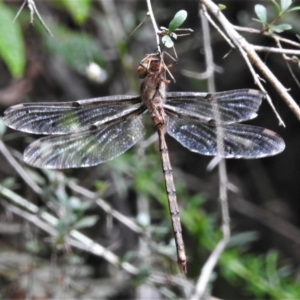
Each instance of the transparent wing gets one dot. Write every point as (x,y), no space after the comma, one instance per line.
(61,118)
(233,106)
(240,141)
(87,148)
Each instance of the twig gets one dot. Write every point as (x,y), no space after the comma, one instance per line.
(276,50)
(257,81)
(210,264)
(211,21)
(272,36)
(150,12)
(107,208)
(204,75)
(287,59)
(241,43)
(33,10)
(19,169)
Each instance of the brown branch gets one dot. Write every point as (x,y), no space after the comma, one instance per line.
(241,43)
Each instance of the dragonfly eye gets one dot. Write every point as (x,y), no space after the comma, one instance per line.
(142,71)
(209,97)
(212,122)
(75,104)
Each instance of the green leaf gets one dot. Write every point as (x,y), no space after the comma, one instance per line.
(277,7)
(285,4)
(79,9)
(280,28)
(177,21)
(293,9)
(86,222)
(12,49)
(173,35)
(261,13)
(221,6)
(167,41)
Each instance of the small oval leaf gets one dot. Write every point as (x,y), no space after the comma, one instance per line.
(261,13)
(294,9)
(280,28)
(167,41)
(177,21)
(86,222)
(277,7)
(285,4)
(221,6)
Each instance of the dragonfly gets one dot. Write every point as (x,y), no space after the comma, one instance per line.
(88,132)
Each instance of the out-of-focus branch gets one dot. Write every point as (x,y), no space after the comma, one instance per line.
(205,276)
(267,34)
(19,169)
(150,12)
(33,10)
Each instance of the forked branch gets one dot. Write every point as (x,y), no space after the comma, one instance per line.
(250,54)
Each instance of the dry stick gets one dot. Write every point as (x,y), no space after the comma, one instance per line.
(255,76)
(19,169)
(287,59)
(276,50)
(272,36)
(241,43)
(33,10)
(107,208)
(215,255)
(156,30)
(259,84)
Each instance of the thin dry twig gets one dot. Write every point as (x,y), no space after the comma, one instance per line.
(272,36)
(156,30)
(33,10)
(19,169)
(287,59)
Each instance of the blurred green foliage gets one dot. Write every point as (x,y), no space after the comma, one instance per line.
(12,49)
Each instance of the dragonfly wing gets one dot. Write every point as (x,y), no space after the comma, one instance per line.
(233,106)
(239,140)
(65,117)
(86,148)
